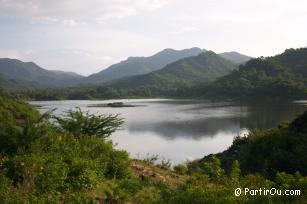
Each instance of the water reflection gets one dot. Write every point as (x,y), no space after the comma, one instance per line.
(210,119)
(181,129)
(266,116)
(193,129)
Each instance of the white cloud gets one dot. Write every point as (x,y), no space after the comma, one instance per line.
(72,22)
(47,19)
(151,4)
(189,28)
(183,30)
(68,10)
(13,54)
(117,12)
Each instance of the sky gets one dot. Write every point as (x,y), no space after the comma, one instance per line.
(87,36)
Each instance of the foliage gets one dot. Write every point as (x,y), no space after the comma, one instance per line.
(214,169)
(80,123)
(181,169)
(16,119)
(39,163)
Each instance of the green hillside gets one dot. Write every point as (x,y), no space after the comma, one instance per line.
(205,67)
(140,65)
(235,57)
(11,85)
(281,76)
(28,73)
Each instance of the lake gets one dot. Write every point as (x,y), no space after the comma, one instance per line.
(182,130)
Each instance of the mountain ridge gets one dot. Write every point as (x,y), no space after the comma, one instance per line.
(206,66)
(141,65)
(235,57)
(29,72)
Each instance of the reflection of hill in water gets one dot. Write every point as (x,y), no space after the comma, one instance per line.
(196,129)
(270,115)
(262,116)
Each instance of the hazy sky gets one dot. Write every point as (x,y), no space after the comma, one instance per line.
(86,36)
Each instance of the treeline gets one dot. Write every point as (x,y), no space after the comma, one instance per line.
(82,92)
(91,92)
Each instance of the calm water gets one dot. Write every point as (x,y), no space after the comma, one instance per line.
(183,129)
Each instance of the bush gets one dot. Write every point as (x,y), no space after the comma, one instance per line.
(78,123)
(181,169)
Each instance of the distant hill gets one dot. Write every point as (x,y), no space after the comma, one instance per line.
(140,65)
(9,84)
(28,73)
(205,67)
(72,74)
(235,57)
(281,76)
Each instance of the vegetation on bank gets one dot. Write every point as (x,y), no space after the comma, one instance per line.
(280,149)
(71,160)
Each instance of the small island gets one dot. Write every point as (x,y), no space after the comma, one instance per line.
(113,105)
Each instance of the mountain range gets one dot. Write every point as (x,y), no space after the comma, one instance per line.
(141,65)
(205,67)
(17,75)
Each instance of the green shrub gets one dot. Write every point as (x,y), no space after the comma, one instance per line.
(79,198)
(78,123)
(181,169)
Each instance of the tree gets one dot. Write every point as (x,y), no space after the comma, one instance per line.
(83,123)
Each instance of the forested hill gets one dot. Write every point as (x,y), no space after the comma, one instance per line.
(141,65)
(294,59)
(235,57)
(32,75)
(11,85)
(281,76)
(205,67)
